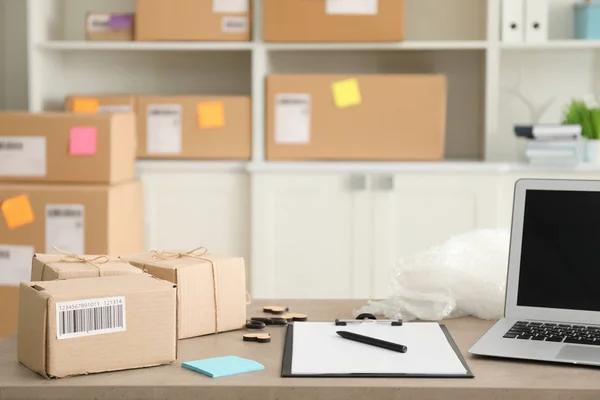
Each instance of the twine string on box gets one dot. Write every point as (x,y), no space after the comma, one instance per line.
(198,254)
(77,258)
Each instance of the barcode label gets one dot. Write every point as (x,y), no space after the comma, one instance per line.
(90,317)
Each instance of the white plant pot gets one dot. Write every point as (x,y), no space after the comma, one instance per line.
(592,151)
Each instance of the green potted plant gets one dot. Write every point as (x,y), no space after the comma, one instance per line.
(586,112)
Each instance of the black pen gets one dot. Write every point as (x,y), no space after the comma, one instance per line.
(373,342)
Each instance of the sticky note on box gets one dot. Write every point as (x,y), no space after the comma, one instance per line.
(17,211)
(223,366)
(346,93)
(83,141)
(85,105)
(211,115)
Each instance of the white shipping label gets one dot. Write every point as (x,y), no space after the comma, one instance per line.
(163,133)
(90,317)
(22,156)
(15,264)
(230,6)
(115,109)
(98,23)
(292,118)
(352,7)
(65,228)
(234,24)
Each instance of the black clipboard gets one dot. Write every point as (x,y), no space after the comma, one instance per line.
(286,365)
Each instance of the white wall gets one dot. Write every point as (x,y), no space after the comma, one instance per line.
(13,55)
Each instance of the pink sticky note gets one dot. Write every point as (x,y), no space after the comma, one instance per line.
(82,141)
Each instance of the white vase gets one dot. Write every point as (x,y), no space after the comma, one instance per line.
(592,151)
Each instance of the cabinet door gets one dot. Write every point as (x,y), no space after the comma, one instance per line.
(185,210)
(309,236)
(412,213)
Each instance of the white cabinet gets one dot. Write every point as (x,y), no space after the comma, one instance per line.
(310,236)
(189,207)
(413,212)
(338,235)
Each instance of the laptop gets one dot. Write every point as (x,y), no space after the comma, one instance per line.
(552,310)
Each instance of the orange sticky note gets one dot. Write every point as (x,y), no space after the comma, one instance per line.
(211,115)
(17,211)
(85,106)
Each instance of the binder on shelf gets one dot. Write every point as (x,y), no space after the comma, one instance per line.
(313,349)
(513,21)
(536,20)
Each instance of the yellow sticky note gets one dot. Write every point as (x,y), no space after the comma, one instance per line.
(346,93)
(85,106)
(211,115)
(17,211)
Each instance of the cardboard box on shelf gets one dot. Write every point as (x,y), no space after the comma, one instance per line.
(51,267)
(94,104)
(109,27)
(67,147)
(60,333)
(193,20)
(333,20)
(356,117)
(78,219)
(9,296)
(211,294)
(194,127)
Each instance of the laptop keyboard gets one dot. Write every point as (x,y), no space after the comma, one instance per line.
(539,331)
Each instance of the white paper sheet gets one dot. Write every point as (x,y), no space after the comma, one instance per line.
(65,228)
(22,156)
(352,7)
(319,350)
(164,128)
(292,118)
(15,264)
(230,6)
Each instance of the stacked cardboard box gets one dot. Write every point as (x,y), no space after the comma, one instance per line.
(181,127)
(356,117)
(66,181)
(333,20)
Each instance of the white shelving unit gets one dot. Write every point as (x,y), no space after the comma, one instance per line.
(286,212)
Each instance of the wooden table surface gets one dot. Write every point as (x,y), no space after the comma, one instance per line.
(494,378)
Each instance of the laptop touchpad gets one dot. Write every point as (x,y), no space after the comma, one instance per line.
(579,353)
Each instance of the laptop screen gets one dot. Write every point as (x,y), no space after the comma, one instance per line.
(560,251)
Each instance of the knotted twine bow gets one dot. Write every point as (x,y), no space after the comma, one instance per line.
(198,254)
(76,258)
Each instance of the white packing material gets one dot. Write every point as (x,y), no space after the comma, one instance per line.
(466,275)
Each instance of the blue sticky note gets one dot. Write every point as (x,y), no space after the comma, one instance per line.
(223,366)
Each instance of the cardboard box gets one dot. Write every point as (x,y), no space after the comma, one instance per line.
(79,219)
(194,127)
(94,104)
(333,21)
(356,117)
(66,147)
(193,20)
(9,301)
(51,267)
(109,27)
(90,325)
(211,293)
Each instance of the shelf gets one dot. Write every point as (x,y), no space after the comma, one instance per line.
(179,166)
(81,45)
(409,45)
(554,45)
(144,46)
(413,167)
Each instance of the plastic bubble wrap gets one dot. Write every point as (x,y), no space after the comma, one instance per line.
(466,275)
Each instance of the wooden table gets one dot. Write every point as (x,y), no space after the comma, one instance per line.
(494,379)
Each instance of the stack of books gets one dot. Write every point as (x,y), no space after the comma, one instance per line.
(551,144)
